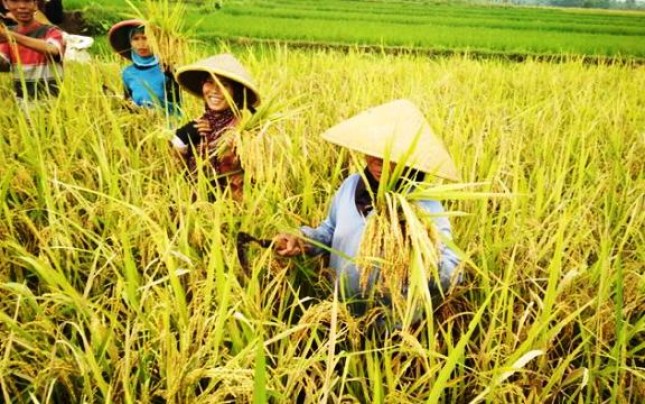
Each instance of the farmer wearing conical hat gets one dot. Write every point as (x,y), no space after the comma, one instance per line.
(227,90)
(399,131)
(146,82)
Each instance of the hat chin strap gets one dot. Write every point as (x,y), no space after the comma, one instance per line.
(141,61)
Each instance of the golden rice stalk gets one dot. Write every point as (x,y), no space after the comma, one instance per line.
(167,34)
(321,313)
(254,141)
(256,151)
(393,236)
(225,382)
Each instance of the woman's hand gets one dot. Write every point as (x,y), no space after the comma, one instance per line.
(288,245)
(203,127)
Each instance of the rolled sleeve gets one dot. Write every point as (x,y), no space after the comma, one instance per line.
(178,144)
(447,265)
(55,37)
(324,233)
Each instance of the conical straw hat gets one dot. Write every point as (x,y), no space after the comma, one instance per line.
(396,128)
(192,76)
(119,36)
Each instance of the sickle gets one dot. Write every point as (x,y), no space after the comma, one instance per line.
(241,242)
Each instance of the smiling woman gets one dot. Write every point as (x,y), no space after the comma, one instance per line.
(227,90)
(216,92)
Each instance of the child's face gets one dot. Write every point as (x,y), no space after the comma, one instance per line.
(139,44)
(216,93)
(22,10)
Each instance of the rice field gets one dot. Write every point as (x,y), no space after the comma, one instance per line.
(116,285)
(436,26)
(120,281)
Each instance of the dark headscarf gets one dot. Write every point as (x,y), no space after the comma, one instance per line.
(218,122)
(204,146)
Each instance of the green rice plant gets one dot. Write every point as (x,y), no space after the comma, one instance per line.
(435,27)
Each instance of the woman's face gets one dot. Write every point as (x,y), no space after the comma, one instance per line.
(375,166)
(217,92)
(139,44)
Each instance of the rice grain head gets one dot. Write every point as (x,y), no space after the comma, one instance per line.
(394,234)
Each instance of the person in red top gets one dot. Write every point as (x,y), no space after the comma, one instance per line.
(33,50)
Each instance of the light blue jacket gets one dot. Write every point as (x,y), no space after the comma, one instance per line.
(342,231)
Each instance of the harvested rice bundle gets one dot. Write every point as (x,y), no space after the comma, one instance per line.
(253,142)
(397,238)
(171,46)
(166,31)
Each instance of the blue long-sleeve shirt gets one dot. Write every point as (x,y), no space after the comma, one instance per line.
(343,228)
(150,87)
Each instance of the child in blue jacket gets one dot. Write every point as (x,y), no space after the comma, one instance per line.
(146,82)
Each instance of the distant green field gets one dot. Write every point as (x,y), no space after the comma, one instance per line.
(417,24)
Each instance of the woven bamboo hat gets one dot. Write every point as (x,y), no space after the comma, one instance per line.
(398,128)
(191,77)
(119,36)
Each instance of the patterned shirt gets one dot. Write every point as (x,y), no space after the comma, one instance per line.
(35,73)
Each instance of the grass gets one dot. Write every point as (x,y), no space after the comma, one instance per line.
(421,25)
(115,285)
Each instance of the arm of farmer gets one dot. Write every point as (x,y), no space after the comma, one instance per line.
(186,136)
(448,260)
(288,244)
(128,80)
(53,44)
